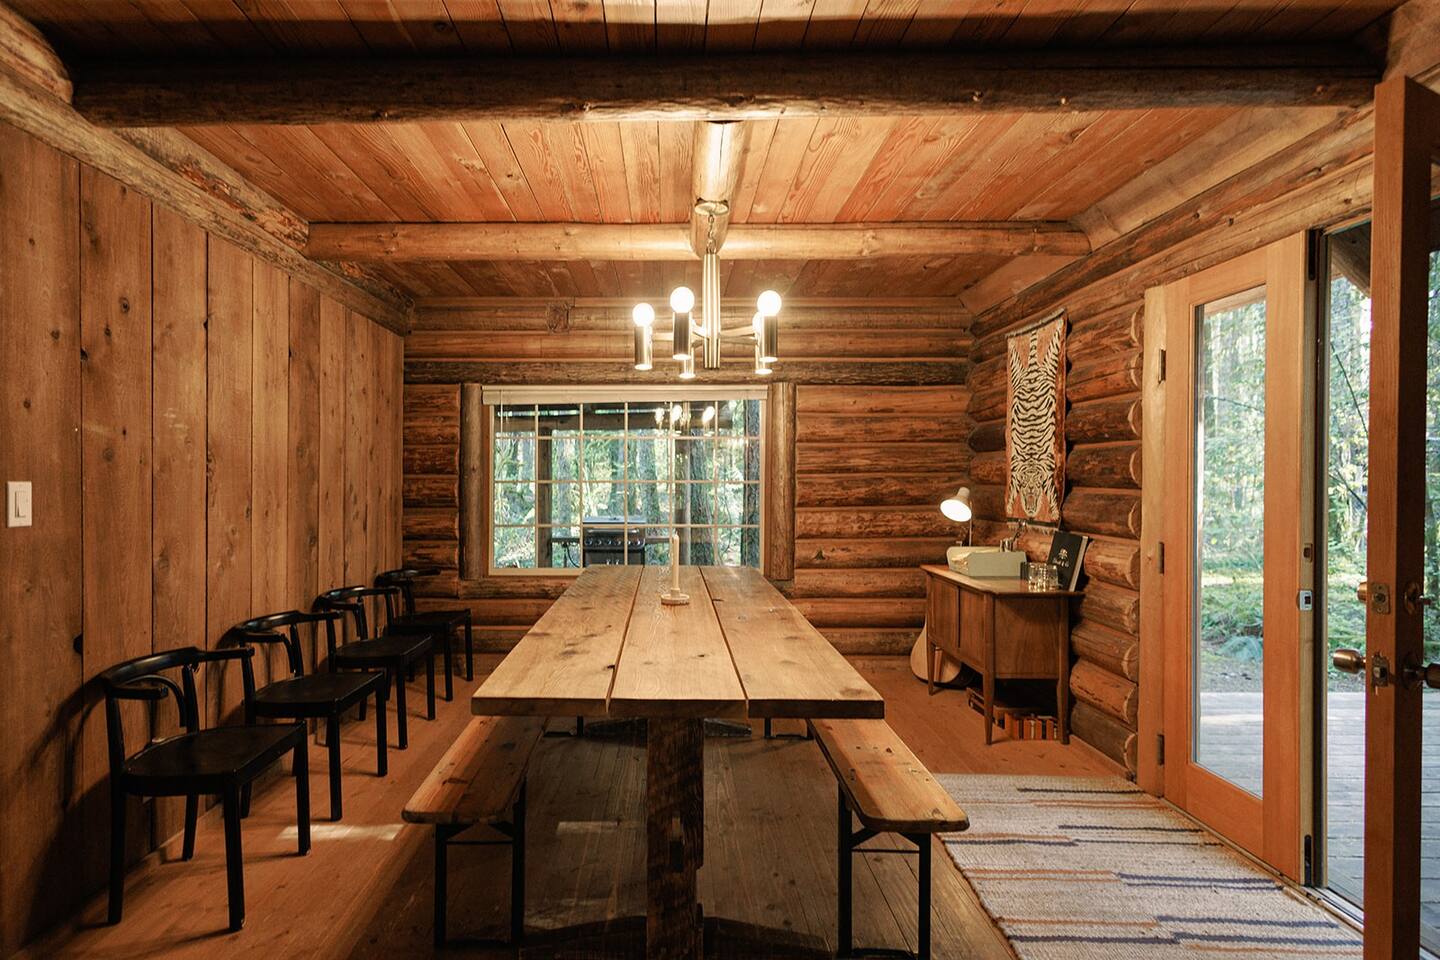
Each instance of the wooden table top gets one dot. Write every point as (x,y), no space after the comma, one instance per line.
(609,648)
(1000,586)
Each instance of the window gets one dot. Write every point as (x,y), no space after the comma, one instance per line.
(581,477)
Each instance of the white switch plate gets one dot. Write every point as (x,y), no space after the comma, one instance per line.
(19,508)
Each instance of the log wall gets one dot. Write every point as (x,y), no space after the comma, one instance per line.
(879,439)
(1102,500)
(184,411)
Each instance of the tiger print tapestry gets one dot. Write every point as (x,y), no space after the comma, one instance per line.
(1035,422)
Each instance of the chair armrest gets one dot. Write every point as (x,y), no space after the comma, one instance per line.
(151,687)
(227,653)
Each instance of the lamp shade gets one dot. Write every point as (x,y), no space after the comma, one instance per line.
(957,508)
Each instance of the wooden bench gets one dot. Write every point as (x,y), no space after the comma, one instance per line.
(480,782)
(888,788)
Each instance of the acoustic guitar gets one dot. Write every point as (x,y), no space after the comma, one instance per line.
(946,670)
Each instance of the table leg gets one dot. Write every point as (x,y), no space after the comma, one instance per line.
(675,834)
(1062,686)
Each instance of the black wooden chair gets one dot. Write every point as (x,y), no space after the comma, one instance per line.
(306,696)
(220,761)
(409,619)
(392,652)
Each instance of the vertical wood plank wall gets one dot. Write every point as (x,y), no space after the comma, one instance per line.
(184,478)
(880,438)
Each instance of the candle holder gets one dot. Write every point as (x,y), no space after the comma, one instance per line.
(674,598)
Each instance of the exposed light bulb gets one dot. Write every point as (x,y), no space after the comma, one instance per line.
(687,368)
(643,315)
(682,300)
(768,303)
(675,412)
(708,415)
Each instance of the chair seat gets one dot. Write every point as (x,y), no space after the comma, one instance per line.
(389,646)
(317,694)
(208,757)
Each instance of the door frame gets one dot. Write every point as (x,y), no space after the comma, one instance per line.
(1407,118)
(1272,827)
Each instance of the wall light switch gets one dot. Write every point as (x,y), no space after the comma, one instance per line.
(19,512)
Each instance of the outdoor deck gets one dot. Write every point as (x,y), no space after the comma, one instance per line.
(1232,729)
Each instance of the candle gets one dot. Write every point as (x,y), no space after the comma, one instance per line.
(674,563)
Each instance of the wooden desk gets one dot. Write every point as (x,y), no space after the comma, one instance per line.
(609,648)
(1003,630)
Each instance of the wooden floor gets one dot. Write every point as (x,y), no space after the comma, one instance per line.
(364,890)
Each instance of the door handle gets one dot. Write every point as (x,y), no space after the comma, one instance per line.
(1347,660)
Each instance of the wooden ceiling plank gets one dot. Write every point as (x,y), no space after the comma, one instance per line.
(1018,170)
(833,24)
(306,26)
(462,164)
(782,161)
(530,24)
(677,145)
(338,186)
(1059,181)
(731,24)
(154,92)
(640,150)
(885,22)
(228,23)
(566,146)
(181,27)
(493,147)
(605,153)
(836,158)
(679,25)
(579,25)
(945,140)
(757,148)
(479,25)
(379,26)
(541,169)
(977,146)
(630,25)
(906,135)
(782,24)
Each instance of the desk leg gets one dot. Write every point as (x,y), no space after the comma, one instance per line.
(1062,686)
(929,664)
(675,833)
(987,681)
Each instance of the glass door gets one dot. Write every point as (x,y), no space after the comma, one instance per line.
(1238,550)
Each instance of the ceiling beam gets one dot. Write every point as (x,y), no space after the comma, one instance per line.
(156,92)
(718,154)
(402,242)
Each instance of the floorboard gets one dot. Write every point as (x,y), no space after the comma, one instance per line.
(364,890)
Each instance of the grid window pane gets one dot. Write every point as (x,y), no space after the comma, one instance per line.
(558,503)
(514,503)
(514,547)
(559,458)
(514,456)
(648,502)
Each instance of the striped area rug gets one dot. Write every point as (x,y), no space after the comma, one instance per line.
(1075,869)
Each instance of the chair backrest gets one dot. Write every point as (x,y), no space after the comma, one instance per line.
(404,579)
(142,678)
(352,599)
(284,628)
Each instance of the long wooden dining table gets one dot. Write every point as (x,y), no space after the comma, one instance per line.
(608,648)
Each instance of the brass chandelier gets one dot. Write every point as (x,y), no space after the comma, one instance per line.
(693,339)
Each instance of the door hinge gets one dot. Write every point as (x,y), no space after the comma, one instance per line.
(1160,749)
(1162,367)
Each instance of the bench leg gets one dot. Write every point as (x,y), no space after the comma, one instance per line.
(234,858)
(332,743)
(449,665)
(401,713)
(844,907)
(517,870)
(924,846)
(430,686)
(117,851)
(301,764)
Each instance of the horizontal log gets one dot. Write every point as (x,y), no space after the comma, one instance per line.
(431,523)
(886,552)
(867,642)
(985,374)
(1090,337)
(881,428)
(1111,606)
(854,372)
(1108,377)
(25,52)
(1104,465)
(157,92)
(922,521)
(719,153)
(444,554)
(1108,514)
(1117,652)
(988,437)
(988,501)
(990,402)
(430,491)
(894,490)
(619,345)
(880,457)
(1105,691)
(1104,733)
(428,433)
(886,612)
(1103,421)
(885,582)
(654,242)
(432,459)
(437,401)
(904,401)
(1113,561)
(588,314)
(988,467)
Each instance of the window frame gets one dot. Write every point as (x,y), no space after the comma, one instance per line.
(492,398)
